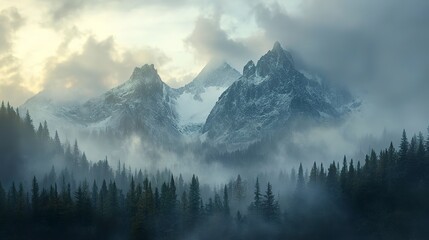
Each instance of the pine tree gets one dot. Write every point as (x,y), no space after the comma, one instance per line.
(83,202)
(35,202)
(351,178)
(157,201)
(226,201)
(194,200)
(343,176)
(172,196)
(426,163)
(427,142)
(271,212)
(218,206)
(391,166)
(184,202)
(256,205)
(84,164)
(28,122)
(113,205)
(21,201)
(322,175)
(239,190)
(402,164)
(372,166)
(75,156)
(421,153)
(46,135)
(132,198)
(332,180)
(146,210)
(314,175)
(66,199)
(94,195)
(103,203)
(403,148)
(57,143)
(164,196)
(382,169)
(39,132)
(300,181)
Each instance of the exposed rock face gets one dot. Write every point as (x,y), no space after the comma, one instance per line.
(220,106)
(268,97)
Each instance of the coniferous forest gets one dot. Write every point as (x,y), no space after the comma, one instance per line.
(383,196)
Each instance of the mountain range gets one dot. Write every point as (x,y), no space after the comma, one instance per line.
(220,106)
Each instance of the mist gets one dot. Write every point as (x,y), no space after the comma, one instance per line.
(339,133)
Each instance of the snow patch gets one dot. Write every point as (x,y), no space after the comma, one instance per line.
(194,109)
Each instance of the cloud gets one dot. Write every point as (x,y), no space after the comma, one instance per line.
(99,66)
(59,11)
(358,41)
(14,93)
(377,48)
(209,41)
(10,77)
(63,9)
(10,22)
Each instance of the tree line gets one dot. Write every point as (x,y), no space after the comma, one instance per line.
(384,196)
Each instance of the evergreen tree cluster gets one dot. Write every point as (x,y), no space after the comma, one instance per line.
(25,149)
(104,211)
(383,197)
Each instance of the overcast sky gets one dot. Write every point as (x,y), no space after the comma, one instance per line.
(379,49)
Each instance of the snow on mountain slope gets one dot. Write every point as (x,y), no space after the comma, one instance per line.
(267,98)
(219,106)
(143,104)
(196,99)
(214,74)
(193,111)
(43,107)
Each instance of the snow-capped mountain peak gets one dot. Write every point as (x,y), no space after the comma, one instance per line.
(202,94)
(267,99)
(143,77)
(220,105)
(147,73)
(277,46)
(214,74)
(275,61)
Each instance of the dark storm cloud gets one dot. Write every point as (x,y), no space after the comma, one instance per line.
(211,42)
(60,10)
(379,49)
(368,44)
(98,67)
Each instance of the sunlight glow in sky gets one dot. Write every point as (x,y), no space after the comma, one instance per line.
(39,38)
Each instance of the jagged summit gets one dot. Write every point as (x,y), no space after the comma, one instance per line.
(145,74)
(275,61)
(219,106)
(277,46)
(142,105)
(270,96)
(214,74)
(249,69)
(202,94)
